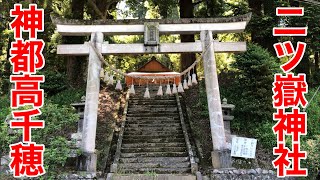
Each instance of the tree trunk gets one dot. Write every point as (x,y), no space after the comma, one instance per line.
(270,10)
(256,8)
(316,62)
(294,3)
(99,9)
(304,65)
(76,65)
(186,11)
(48,30)
(7,70)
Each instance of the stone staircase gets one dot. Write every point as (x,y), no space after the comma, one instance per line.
(153,138)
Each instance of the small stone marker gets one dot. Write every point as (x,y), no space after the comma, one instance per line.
(243,147)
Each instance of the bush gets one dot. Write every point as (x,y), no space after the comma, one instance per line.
(55,156)
(55,82)
(4,107)
(5,138)
(60,122)
(252,89)
(251,92)
(311,142)
(313,111)
(312,163)
(67,97)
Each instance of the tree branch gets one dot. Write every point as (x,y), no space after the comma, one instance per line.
(108,6)
(96,9)
(312,2)
(196,3)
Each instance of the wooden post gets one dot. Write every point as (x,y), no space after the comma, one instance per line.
(220,157)
(91,106)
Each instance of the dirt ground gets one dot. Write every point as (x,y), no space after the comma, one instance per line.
(111,104)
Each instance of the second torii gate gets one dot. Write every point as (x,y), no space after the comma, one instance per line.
(152,29)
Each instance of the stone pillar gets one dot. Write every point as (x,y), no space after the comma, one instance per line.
(91,106)
(221,158)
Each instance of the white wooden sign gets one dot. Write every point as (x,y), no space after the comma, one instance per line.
(243,147)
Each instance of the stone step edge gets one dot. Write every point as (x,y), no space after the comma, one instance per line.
(154,159)
(114,176)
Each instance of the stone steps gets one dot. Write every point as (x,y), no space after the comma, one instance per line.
(153,129)
(143,145)
(156,136)
(155,159)
(155,103)
(153,118)
(153,109)
(153,139)
(153,165)
(156,106)
(154,154)
(152,134)
(153,97)
(157,170)
(137,119)
(153,177)
(152,101)
(153,149)
(150,115)
(152,124)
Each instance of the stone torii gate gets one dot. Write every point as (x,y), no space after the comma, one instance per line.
(151,30)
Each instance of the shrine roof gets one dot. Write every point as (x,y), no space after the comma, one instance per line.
(153,66)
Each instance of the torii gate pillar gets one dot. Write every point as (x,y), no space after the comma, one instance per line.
(89,161)
(221,156)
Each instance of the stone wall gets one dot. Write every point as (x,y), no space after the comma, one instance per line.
(245,174)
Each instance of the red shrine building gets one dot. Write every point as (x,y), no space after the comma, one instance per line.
(152,68)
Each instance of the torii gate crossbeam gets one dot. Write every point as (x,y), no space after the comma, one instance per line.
(206,27)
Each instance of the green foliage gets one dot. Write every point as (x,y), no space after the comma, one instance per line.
(54,82)
(67,97)
(252,88)
(236,7)
(55,155)
(251,92)
(313,111)
(5,138)
(4,106)
(203,103)
(151,9)
(60,122)
(311,142)
(263,131)
(312,146)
